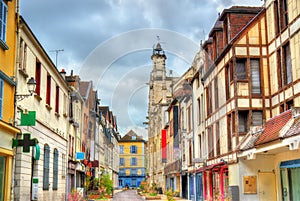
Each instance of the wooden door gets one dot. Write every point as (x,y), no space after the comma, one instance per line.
(266,186)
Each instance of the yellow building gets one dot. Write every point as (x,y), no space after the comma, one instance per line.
(132,160)
(7,90)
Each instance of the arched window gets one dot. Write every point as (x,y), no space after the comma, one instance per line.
(55,169)
(46,167)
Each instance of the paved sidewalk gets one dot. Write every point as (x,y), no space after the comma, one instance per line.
(132,195)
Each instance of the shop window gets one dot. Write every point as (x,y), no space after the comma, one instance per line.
(290,174)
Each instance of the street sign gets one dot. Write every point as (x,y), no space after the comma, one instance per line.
(26,142)
(79,155)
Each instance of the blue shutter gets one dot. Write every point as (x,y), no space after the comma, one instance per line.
(46,167)
(1,96)
(55,169)
(3,14)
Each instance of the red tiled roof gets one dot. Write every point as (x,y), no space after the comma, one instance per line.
(294,129)
(273,127)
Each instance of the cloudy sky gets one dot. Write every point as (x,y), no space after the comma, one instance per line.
(110,42)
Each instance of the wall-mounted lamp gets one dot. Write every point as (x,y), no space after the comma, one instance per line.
(31,84)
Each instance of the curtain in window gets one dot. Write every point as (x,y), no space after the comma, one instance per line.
(288,63)
(256,118)
(241,69)
(255,76)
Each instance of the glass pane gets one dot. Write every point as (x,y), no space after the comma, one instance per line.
(295,185)
(2,177)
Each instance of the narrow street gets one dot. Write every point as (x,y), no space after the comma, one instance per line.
(129,195)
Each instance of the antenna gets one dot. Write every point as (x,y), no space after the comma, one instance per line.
(56,51)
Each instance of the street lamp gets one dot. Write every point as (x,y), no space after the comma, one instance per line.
(31,84)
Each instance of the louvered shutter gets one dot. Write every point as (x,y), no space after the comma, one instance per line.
(255,76)
(46,167)
(55,170)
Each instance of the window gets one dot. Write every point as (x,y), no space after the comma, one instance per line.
(133,149)
(46,167)
(209,99)
(38,68)
(122,172)
(199,111)
(257,118)
(189,118)
(216,93)
(121,149)
(287,63)
(3,18)
(255,76)
(55,169)
(243,121)
(290,173)
(133,182)
(2,177)
(63,164)
(218,149)
(48,92)
(283,14)
(229,133)
(228,79)
(22,54)
(133,172)
(210,142)
(1,96)
(133,161)
(284,66)
(241,69)
(133,137)
(276,17)
(57,99)
(122,162)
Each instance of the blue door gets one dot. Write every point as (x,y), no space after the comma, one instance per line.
(199,187)
(191,187)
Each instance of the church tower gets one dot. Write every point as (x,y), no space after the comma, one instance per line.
(157,91)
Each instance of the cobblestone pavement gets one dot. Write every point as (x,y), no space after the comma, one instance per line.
(128,195)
